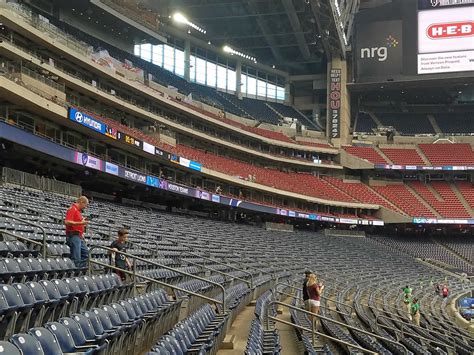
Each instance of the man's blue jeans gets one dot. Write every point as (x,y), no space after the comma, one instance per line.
(78,249)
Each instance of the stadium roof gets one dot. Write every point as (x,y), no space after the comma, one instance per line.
(294,36)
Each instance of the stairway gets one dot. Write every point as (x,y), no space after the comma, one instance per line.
(451,251)
(378,150)
(426,204)
(462,199)
(422,156)
(435,125)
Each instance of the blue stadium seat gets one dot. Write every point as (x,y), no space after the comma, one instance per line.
(27,344)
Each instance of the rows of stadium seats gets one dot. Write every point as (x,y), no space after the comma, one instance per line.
(467,191)
(438,154)
(341,262)
(448,154)
(460,245)
(360,192)
(415,123)
(306,184)
(406,123)
(425,248)
(455,123)
(366,153)
(446,203)
(262,341)
(250,108)
(402,156)
(364,123)
(404,199)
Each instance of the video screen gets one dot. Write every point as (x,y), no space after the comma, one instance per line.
(445,36)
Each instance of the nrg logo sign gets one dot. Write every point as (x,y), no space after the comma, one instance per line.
(379,53)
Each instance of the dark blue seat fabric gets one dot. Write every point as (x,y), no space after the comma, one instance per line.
(7,348)
(48,341)
(27,344)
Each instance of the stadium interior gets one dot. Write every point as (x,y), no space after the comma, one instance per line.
(242,144)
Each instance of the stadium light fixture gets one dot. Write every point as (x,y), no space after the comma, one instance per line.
(232,51)
(178,17)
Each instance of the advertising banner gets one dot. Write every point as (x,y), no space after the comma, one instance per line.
(86,120)
(334,111)
(378,50)
(445,39)
(86,160)
(111,168)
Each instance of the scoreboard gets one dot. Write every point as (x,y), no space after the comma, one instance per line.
(445,36)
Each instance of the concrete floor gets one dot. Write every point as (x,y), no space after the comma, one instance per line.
(240,328)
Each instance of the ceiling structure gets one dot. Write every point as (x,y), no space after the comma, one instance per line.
(296,36)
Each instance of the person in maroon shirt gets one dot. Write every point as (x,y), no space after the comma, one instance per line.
(75,225)
(314,292)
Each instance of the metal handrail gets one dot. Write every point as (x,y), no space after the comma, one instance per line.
(154,252)
(300,299)
(219,262)
(219,272)
(401,317)
(31,224)
(4,231)
(315,332)
(413,326)
(333,321)
(164,267)
(329,299)
(414,336)
(173,287)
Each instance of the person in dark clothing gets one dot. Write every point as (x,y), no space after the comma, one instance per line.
(305,289)
(117,259)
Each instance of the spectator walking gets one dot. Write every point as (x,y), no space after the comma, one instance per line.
(117,259)
(415,311)
(407,291)
(407,301)
(445,291)
(314,292)
(305,290)
(75,225)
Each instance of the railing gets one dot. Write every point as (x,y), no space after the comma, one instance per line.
(21,178)
(42,79)
(154,252)
(135,275)
(301,299)
(219,272)
(31,241)
(395,315)
(327,298)
(3,214)
(411,333)
(221,263)
(315,332)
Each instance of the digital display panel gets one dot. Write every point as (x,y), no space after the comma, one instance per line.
(445,38)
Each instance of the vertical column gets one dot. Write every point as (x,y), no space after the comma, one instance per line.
(288,98)
(338,103)
(238,79)
(187,60)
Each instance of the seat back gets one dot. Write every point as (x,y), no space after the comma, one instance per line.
(7,348)
(27,344)
(63,336)
(47,340)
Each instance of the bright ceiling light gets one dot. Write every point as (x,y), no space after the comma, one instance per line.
(180,18)
(227,49)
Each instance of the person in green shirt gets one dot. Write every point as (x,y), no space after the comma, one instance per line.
(415,311)
(407,291)
(407,302)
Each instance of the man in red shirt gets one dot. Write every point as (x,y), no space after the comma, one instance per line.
(75,224)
